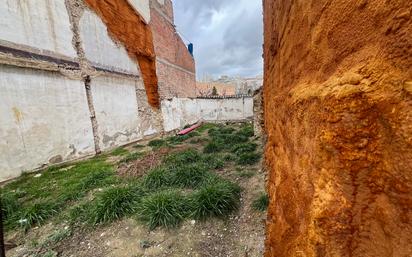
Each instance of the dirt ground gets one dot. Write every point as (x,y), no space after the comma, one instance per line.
(242,234)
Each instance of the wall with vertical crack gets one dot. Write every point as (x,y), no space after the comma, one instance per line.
(70,85)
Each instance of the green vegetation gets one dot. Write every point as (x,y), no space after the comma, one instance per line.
(119,151)
(248,158)
(114,203)
(245,173)
(157,143)
(165,208)
(33,200)
(132,157)
(184,186)
(261,203)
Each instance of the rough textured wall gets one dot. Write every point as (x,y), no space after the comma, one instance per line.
(338,114)
(128,27)
(175,65)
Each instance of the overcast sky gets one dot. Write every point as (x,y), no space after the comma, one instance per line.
(227,35)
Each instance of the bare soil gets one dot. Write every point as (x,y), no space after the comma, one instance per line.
(242,234)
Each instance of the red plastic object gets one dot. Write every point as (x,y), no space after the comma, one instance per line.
(188,130)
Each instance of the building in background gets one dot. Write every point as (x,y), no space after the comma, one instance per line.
(229,86)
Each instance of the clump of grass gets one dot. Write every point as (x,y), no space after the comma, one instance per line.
(229,157)
(114,203)
(244,148)
(261,203)
(165,208)
(213,161)
(213,147)
(138,146)
(9,204)
(246,130)
(215,199)
(189,176)
(119,151)
(183,158)
(248,158)
(157,178)
(132,157)
(36,214)
(206,127)
(157,143)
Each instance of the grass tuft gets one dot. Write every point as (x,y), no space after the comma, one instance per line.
(157,178)
(215,199)
(36,214)
(114,203)
(157,143)
(261,203)
(248,158)
(244,148)
(119,152)
(165,208)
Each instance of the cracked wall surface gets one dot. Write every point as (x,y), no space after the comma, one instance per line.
(70,87)
(338,104)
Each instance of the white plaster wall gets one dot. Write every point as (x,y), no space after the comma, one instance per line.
(115,103)
(225,109)
(179,112)
(142,7)
(99,47)
(42,115)
(43,24)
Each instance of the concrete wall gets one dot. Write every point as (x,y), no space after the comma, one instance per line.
(100,49)
(42,24)
(44,119)
(179,112)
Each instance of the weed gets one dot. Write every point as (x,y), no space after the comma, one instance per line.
(213,161)
(157,178)
(229,157)
(215,199)
(246,130)
(183,158)
(165,208)
(138,146)
(213,147)
(114,203)
(157,143)
(244,148)
(261,203)
(206,127)
(132,157)
(37,213)
(248,158)
(9,204)
(189,176)
(119,151)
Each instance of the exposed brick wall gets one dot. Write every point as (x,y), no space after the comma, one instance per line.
(175,82)
(175,65)
(166,8)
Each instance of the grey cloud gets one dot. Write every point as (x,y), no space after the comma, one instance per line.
(227,35)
